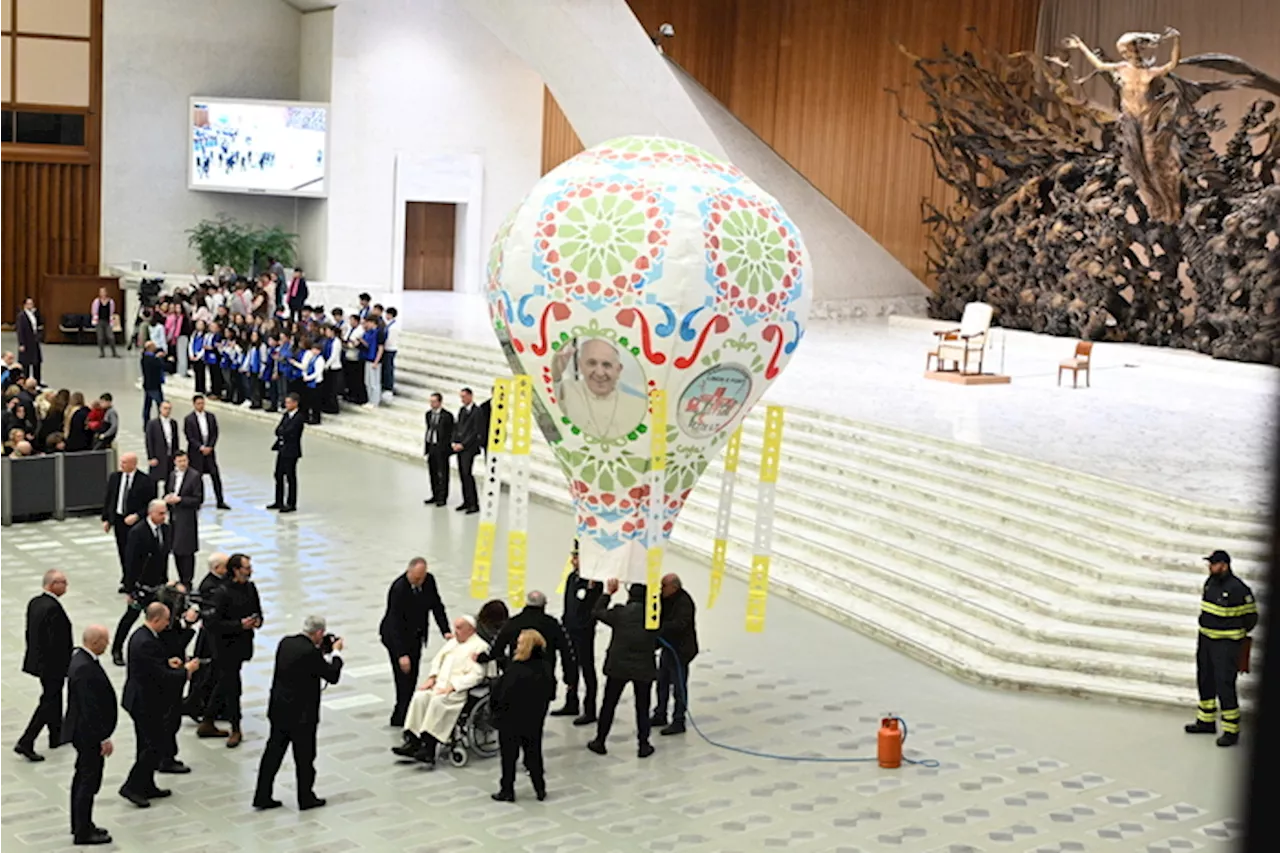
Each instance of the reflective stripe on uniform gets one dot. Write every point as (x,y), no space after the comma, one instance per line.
(1231,728)
(1204,716)
(1232,714)
(1231,634)
(1227,612)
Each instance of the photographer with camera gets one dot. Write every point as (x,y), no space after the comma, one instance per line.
(303,662)
(230,618)
(176,636)
(146,569)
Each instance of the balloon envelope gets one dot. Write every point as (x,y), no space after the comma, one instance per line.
(640,264)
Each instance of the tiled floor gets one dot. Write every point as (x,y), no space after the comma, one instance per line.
(1017,772)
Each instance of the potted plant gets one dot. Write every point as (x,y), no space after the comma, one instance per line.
(225,242)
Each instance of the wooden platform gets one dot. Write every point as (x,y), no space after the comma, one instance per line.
(957,378)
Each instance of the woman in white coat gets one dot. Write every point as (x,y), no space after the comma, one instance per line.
(438,703)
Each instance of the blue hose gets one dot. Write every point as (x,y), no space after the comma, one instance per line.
(819,759)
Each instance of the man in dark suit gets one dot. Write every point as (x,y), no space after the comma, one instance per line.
(296,298)
(184,495)
(153,373)
(288,448)
(202,683)
(27,325)
(679,631)
(125,503)
(148,692)
(201,430)
(466,443)
(146,564)
(90,722)
(48,655)
(437,449)
(232,617)
(161,436)
(404,628)
(580,597)
(294,711)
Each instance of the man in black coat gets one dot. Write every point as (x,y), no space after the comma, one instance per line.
(288,448)
(47,657)
(518,709)
(147,695)
(580,596)
(202,683)
(678,630)
(235,613)
(437,448)
(411,597)
(146,564)
(201,430)
(296,294)
(125,503)
(27,325)
(629,659)
(161,436)
(534,615)
(467,442)
(90,722)
(153,373)
(294,712)
(184,495)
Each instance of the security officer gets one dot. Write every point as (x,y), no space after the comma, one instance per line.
(1227,614)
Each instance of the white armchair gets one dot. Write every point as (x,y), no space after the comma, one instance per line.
(965,346)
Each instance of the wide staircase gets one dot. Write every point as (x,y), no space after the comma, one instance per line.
(995,568)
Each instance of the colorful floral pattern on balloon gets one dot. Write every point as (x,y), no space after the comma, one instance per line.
(631,152)
(754,258)
(600,242)
(499,301)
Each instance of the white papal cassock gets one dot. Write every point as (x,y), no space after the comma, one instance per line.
(452,667)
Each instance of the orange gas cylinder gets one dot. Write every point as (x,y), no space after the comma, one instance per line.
(889,743)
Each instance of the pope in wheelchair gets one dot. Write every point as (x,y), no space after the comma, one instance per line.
(439,704)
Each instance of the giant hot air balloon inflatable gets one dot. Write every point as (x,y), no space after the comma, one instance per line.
(640,264)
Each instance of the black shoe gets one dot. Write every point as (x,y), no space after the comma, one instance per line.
(406,750)
(658,720)
(28,752)
(673,729)
(597,747)
(1228,739)
(98,836)
(272,506)
(117,658)
(473,510)
(311,804)
(646,749)
(158,793)
(175,767)
(504,796)
(460,508)
(540,793)
(135,798)
(263,805)
(223,506)
(1200,728)
(285,509)
(586,719)
(430,502)
(442,503)
(570,708)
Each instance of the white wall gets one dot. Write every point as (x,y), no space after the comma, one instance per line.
(315,78)
(423,78)
(156,55)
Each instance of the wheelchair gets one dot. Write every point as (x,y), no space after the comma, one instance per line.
(474,732)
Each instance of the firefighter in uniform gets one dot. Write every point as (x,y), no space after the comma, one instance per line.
(1227,614)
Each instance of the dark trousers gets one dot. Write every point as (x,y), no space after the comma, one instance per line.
(466,462)
(186,564)
(438,473)
(48,712)
(512,743)
(1217,663)
(127,621)
(217,386)
(200,685)
(151,736)
(122,537)
(405,682)
(286,481)
(102,331)
(199,369)
(613,688)
(31,369)
(149,397)
(224,701)
(209,465)
(584,655)
(311,403)
(257,390)
(329,392)
(302,736)
(353,376)
(672,672)
(389,370)
(85,784)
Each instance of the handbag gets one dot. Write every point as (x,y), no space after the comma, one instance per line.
(1246,649)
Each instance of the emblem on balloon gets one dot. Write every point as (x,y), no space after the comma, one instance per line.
(644,264)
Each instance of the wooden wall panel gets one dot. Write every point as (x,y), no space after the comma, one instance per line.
(809,77)
(46,219)
(559,141)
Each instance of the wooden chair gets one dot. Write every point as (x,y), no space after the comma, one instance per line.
(965,345)
(1077,363)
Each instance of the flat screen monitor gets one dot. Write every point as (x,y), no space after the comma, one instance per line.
(258,147)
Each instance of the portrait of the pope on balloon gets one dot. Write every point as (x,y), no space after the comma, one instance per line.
(600,388)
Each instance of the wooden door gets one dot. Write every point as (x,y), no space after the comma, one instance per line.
(428,245)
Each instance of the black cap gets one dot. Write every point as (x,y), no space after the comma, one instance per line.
(1219,557)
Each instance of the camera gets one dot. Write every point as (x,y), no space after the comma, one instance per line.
(149,291)
(326,644)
